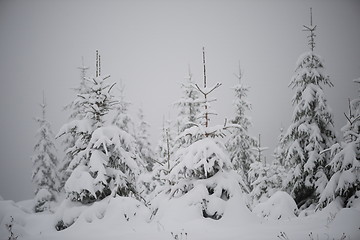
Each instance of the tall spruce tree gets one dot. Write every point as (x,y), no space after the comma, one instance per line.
(45,175)
(345,163)
(240,144)
(311,130)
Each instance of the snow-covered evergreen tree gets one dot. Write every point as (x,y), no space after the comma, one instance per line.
(258,178)
(203,168)
(157,180)
(165,145)
(278,164)
(77,111)
(103,157)
(142,140)
(265,180)
(188,105)
(311,130)
(45,175)
(279,151)
(345,163)
(240,144)
(122,119)
(165,149)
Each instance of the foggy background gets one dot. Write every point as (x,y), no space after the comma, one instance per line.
(149,45)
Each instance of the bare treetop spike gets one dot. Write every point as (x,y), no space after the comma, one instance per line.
(83,69)
(240,74)
(311,29)
(204,67)
(96,64)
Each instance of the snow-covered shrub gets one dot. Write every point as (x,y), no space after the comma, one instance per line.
(205,167)
(203,198)
(117,210)
(42,200)
(265,180)
(201,160)
(279,206)
(67,213)
(9,227)
(12,220)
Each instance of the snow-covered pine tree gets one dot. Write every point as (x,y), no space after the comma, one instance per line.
(45,175)
(144,150)
(311,130)
(264,178)
(157,180)
(277,165)
(122,119)
(188,105)
(165,150)
(77,111)
(142,141)
(165,145)
(261,186)
(103,158)
(203,170)
(240,144)
(75,108)
(279,151)
(345,163)
(188,111)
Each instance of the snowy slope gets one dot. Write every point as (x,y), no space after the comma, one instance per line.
(126,218)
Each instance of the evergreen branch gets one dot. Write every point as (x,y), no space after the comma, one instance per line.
(79,95)
(106,77)
(158,162)
(111,87)
(325,151)
(348,119)
(197,86)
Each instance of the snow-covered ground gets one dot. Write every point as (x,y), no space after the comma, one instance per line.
(126,218)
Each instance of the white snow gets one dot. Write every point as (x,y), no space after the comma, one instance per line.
(279,206)
(80,180)
(126,218)
(43,195)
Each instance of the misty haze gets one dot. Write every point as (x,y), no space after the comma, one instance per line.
(179,120)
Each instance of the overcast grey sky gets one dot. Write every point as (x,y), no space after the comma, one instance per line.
(149,45)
